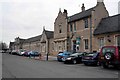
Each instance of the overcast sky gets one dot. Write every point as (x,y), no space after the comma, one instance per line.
(26,18)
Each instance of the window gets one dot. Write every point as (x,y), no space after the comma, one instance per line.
(86,43)
(118,40)
(108,49)
(71,28)
(60,29)
(74,26)
(52,46)
(101,42)
(86,22)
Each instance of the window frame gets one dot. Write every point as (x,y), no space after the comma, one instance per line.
(101,42)
(71,27)
(75,27)
(60,28)
(86,23)
(86,44)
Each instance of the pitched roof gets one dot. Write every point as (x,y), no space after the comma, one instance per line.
(33,39)
(108,25)
(80,15)
(49,34)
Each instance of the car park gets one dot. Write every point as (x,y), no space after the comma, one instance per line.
(91,58)
(75,58)
(110,55)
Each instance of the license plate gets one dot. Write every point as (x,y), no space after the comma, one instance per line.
(102,57)
(87,58)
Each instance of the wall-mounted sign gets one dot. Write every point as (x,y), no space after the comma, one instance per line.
(78,40)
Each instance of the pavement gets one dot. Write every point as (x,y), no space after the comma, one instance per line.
(45,58)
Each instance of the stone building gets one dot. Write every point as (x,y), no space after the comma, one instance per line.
(60,32)
(85,31)
(32,43)
(82,25)
(42,43)
(47,45)
(75,33)
(108,32)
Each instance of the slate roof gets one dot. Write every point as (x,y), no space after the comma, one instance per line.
(49,34)
(108,25)
(80,15)
(33,39)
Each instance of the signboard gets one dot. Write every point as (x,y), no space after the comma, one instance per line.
(78,40)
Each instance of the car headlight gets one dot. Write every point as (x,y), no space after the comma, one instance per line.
(69,58)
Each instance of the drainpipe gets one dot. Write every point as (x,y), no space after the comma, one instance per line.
(91,34)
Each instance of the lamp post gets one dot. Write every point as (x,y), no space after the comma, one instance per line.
(47,56)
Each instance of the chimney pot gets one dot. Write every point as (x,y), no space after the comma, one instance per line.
(99,0)
(83,7)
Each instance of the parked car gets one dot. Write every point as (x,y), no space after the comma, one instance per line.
(26,54)
(75,58)
(14,52)
(21,52)
(91,58)
(63,55)
(59,56)
(33,53)
(110,55)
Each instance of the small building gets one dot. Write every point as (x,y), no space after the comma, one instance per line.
(42,43)
(108,32)
(47,45)
(32,43)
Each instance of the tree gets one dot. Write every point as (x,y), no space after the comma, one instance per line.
(3,46)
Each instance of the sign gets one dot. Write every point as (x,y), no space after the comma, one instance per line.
(78,40)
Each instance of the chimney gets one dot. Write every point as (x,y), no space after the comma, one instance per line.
(83,7)
(100,1)
(65,12)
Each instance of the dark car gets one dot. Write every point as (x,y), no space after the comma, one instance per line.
(91,58)
(75,58)
(14,52)
(26,54)
(63,55)
(110,55)
(33,53)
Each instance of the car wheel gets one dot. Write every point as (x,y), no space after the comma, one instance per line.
(85,64)
(74,62)
(108,56)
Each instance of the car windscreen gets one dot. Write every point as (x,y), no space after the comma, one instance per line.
(89,54)
(108,49)
(74,55)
